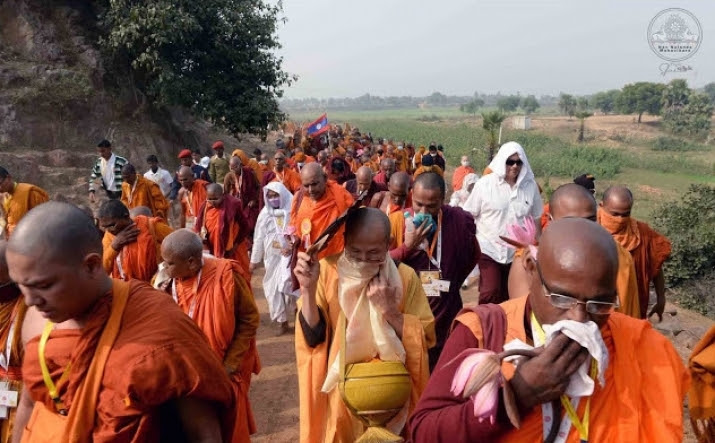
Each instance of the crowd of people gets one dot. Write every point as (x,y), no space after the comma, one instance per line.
(136,321)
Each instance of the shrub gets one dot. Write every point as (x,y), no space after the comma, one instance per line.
(690,226)
(674,144)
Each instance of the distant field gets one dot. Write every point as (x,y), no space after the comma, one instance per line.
(658,168)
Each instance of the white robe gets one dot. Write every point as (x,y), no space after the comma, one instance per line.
(268,240)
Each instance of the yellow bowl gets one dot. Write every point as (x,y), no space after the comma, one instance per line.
(376,386)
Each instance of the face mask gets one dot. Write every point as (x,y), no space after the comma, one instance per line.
(361,269)
(465,163)
(264,162)
(275,202)
(400,147)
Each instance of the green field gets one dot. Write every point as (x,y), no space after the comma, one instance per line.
(655,173)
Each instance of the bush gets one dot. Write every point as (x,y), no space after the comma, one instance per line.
(674,144)
(697,294)
(690,226)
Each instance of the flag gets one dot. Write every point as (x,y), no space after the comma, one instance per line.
(319,126)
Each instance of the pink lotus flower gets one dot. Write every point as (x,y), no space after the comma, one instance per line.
(525,235)
(479,378)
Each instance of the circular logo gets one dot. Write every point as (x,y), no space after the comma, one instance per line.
(675,34)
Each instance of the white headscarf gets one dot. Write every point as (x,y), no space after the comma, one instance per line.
(285,196)
(498,164)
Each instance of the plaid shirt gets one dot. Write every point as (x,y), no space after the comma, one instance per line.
(119,163)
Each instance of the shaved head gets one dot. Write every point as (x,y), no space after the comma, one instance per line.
(365,223)
(430,181)
(363,173)
(235,161)
(129,168)
(618,201)
(214,189)
(572,200)
(113,209)
(140,210)
(577,258)
(313,180)
(182,244)
(58,232)
(401,179)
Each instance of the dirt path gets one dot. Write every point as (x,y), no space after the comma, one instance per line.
(274,392)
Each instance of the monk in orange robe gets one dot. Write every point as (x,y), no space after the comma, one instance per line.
(192,196)
(460,172)
(246,161)
(701,398)
(648,248)
(397,197)
(212,292)
(131,247)
(316,206)
(141,370)
(19,199)
(222,226)
(572,200)
(417,158)
(366,278)
(281,173)
(645,376)
(402,161)
(139,191)
(12,314)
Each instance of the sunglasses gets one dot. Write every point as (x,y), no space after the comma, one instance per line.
(566,303)
(514,162)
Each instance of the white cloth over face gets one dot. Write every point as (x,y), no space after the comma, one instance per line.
(368,334)
(268,241)
(587,335)
(495,204)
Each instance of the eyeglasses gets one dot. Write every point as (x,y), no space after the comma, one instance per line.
(566,303)
(514,162)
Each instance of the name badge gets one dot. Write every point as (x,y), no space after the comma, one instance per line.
(433,284)
(275,244)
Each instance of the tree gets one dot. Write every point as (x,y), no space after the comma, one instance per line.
(472,106)
(582,104)
(567,104)
(675,95)
(437,98)
(582,116)
(709,90)
(215,57)
(509,103)
(605,101)
(641,97)
(491,122)
(530,104)
(693,118)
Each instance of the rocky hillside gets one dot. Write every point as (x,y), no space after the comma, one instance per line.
(56,103)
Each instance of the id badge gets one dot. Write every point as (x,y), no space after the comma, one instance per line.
(429,281)
(190,223)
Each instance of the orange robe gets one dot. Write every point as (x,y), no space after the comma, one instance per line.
(354,165)
(232,239)
(458,177)
(648,248)
(139,260)
(23,198)
(422,170)
(289,178)
(192,200)
(249,162)
(545,217)
(321,214)
(12,314)
(645,378)
(159,355)
(401,160)
(145,193)
(701,397)
(223,307)
(324,417)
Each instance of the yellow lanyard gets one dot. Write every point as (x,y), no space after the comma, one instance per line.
(580,425)
(51,387)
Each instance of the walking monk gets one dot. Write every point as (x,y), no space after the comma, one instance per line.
(281,173)
(20,198)
(397,197)
(443,252)
(648,248)
(221,225)
(191,195)
(119,361)
(12,314)
(636,367)
(385,300)
(316,206)
(213,294)
(241,183)
(140,191)
(363,182)
(574,201)
(131,246)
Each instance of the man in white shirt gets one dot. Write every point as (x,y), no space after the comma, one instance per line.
(108,168)
(505,197)
(158,175)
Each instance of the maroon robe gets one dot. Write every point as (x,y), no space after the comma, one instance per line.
(230,210)
(460,253)
(381,179)
(249,191)
(351,187)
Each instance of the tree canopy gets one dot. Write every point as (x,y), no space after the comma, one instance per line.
(639,98)
(530,104)
(214,57)
(567,104)
(509,103)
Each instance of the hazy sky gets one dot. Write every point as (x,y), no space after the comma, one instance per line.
(342,48)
